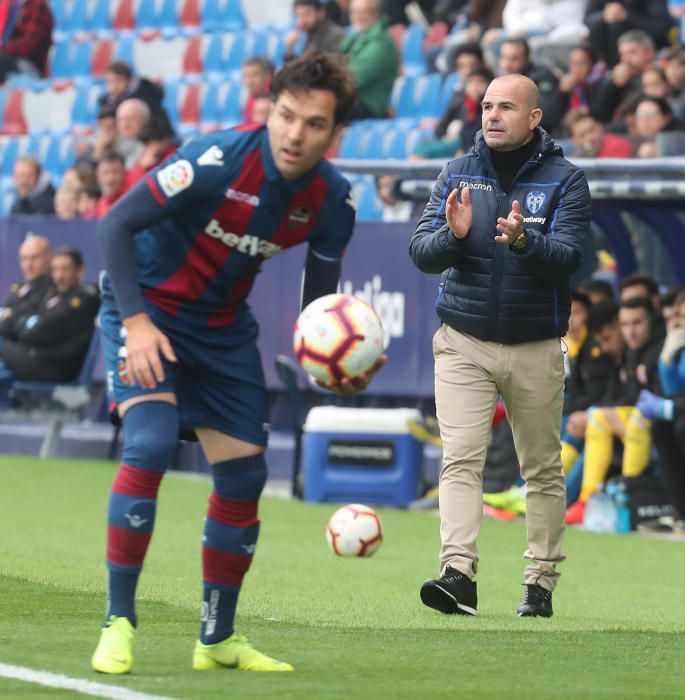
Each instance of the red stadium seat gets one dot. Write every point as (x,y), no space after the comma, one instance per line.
(436,35)
(14,121)
(190,14)
(189,112)
(102,57)
(397,32)
(192,59)
(124,17)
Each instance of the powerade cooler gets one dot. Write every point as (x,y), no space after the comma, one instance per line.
(364,455)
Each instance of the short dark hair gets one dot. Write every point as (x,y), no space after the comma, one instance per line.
(316,4)
(481,72)
(581,297)
(91,190)
(316,70)
(110,156)
(587,49)
(522,42)
(596,286)
(107,112)
(668,298)
(643,278)
(157,128)
(662,103)
(638,303)
(600,315)
(69,252)
(120,68)
(470,47)
(264,62)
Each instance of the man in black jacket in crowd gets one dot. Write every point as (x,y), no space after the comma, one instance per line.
(50,344)
(506,226)
(35,254)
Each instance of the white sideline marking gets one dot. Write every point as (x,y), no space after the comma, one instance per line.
(80,685)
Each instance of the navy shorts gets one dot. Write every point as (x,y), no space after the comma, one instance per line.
(218,379)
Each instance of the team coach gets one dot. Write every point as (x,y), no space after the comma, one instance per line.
(505,225)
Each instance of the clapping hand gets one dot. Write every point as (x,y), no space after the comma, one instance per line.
(459,215)
(511,227)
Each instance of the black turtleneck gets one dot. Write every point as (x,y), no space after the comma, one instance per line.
(508,163)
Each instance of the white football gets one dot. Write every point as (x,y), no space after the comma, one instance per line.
(337,336)
(354,531)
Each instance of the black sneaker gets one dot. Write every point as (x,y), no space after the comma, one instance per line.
(453,593)
(536,602)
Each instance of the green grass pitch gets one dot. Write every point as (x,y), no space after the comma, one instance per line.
(352,628)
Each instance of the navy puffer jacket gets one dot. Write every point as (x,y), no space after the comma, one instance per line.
(488,289)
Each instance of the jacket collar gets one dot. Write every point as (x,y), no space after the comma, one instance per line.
(547,147)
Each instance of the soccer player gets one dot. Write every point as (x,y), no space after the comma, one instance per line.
(182,250)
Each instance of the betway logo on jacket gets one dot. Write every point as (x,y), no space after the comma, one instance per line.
(250,245)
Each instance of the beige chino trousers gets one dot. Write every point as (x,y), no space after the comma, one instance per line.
(470,375)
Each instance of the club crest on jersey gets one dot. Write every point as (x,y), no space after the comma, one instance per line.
(299,217)
(176,177)
(534,201)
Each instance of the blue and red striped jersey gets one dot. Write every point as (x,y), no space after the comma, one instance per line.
(228,209)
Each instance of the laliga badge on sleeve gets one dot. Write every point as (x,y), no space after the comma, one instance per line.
(176,177)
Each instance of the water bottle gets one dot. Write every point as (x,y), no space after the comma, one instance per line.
(622,509)
(601,512)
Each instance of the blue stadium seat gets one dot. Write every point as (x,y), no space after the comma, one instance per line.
(427,95)
(214,55)
(350,146)
(59,12)
(170,101)
(209,106)
(223,15)
(237,52)
(413,59)
(78,18)
(450,83)
(396,142)
(123,48)
(100,19)
(7,196)
(402,98)
(229,106)
(157,14)
(369,207)
(71,59)
(10,153)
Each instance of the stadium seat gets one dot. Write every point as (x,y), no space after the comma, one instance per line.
(369,207)
(397,32)
(436,35)
(57,403)
(78,19)
(230,104)
(170,99)
(214,55)
(60,15)
(49,109)
(70,58)
(222,15)
(192,59)
(450,83)
(427,95)
(189,15)
(350,145)
(7,196)
(413,59)
(156,14)
(395,143)
(235,50)
(124,17)
(157,56)
(13,117)
(402,96)
(103,50)
(100,19)
(84,108)
(123,48)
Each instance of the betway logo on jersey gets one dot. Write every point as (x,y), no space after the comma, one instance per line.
(250,245)
(534,219)
(475,185)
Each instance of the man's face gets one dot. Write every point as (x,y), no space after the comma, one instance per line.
(649,120)
(363,14)
(635,327)
(509,118)
(610,340)
(586,135)
(653,85)
(130,120)
(110,177)
(675,71)
(116,84)
(66,203)
(261,110)
(255,79)
(107,130)
(466,63)
(25,177)
(65,274)
(579,64)
(578,319)
(512,58)
(635,56)
(308,18)
(34,258)
(301,129)
(475,87)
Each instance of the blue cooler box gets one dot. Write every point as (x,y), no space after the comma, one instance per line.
(364,455)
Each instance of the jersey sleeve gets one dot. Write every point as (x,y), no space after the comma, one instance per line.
(330,236)
(190,173)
